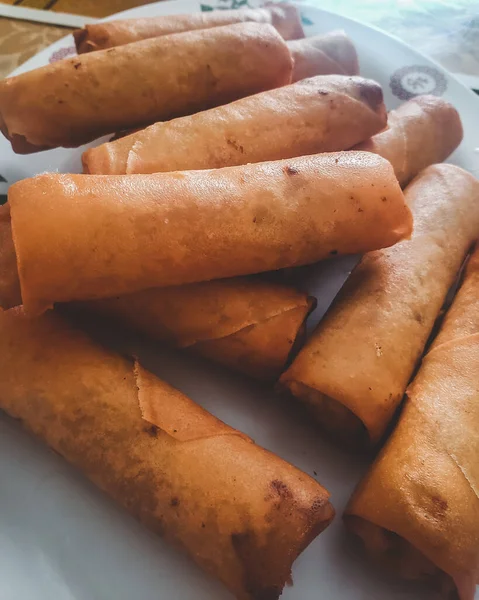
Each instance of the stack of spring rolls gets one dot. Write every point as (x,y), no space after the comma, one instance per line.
(223,176)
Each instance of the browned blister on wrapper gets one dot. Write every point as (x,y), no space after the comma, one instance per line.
(242,513)
(79,99)
(245,323)
(98,36)
(354,369)
(421,132)
(98,236)
(417,509)
(320,114)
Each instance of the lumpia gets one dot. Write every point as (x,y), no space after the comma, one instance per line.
(242,513)
(78,99)
(321,114)
(417,510)
(247,324)
(99,236)
(421,132)
(98,36)
(355,368)
(330,53)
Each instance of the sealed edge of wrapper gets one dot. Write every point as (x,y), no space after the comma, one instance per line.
(184,420)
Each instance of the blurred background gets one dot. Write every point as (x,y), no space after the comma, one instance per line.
(445,30)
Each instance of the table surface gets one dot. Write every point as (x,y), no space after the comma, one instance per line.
(446,30)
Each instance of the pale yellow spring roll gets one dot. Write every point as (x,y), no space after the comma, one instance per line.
(330,53)
(421,132)
(98,236)
(321,114)
(247,324)
(417,509)
(283,16)
(78,99)
(353,371)
(240,512)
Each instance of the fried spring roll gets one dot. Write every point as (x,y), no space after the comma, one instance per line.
(241,512)
(99,236)
(330,53)
(247,324)
(354,369)
(98,36)
(417,510)
(322,114)
(76,100)
(421,132)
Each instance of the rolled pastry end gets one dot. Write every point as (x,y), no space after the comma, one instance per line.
(337,421)
(398,556)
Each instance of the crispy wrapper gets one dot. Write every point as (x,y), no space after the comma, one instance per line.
(355,368)
(98,36)
(76,100)
(84,237)
(241,512)
(330,53)
(247,324)
(421,132)
(321,114)
(417,509)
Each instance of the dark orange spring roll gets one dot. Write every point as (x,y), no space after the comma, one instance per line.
(421,132)
(354,370)
(98,36)
(330,53)
(99,236)
(76,100)
(242,513)
(417,510)
(321,114)
(247,324)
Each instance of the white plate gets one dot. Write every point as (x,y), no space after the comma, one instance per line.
(61,539)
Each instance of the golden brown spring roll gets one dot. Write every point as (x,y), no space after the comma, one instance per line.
(421,132)
(99,236)
(241,512)
(321,114)
(330,53)
(354,369)
(247,324)
(417,509)
(98,36)
(78,99)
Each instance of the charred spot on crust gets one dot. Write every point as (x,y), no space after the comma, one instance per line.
(152,430)
(281,489)
(383,198)
(371,93)
(440,507)
(174,501)
(333,252)
(235,145)
(289,170)
(418,317)
(77,65)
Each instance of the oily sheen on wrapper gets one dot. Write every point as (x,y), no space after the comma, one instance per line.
(320,114)
(80,237)
(377,327)
(417,509)
(421,132)
(242,513)
(99,36)
(79,99)
(247,324)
